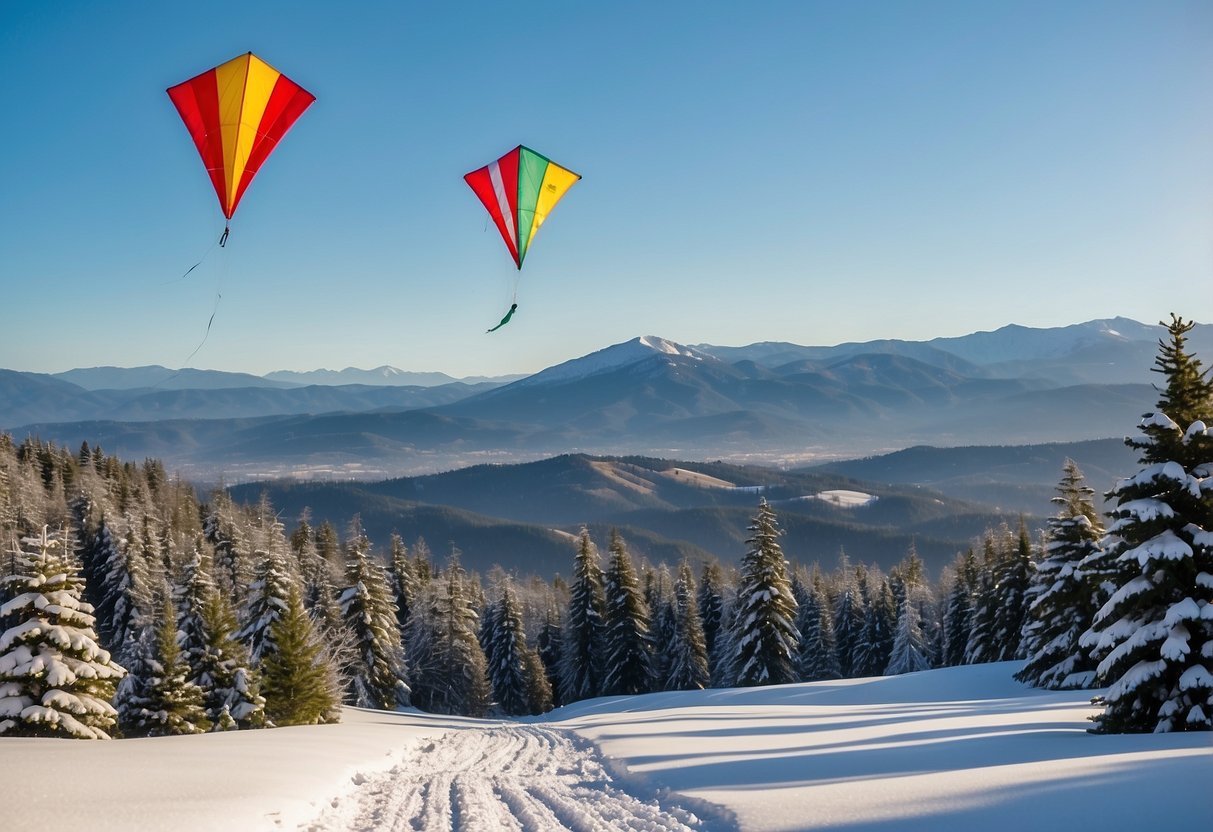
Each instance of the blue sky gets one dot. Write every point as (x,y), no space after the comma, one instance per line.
(800,171)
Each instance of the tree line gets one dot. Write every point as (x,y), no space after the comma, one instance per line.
(145,610)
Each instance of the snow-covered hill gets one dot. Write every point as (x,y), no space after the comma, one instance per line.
(955,749)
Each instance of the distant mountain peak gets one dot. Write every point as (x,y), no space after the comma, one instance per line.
(614,357)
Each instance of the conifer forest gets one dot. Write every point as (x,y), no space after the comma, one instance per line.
(133,606)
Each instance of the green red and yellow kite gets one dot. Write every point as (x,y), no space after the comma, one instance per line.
(519,190)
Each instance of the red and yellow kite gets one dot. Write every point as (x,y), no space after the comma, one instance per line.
(519,190)
(236,114)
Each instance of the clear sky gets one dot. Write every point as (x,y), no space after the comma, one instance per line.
(814,172)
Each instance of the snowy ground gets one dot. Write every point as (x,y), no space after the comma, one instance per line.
(956,749)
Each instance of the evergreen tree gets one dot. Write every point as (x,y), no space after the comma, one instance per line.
(549,645)
(910,649)
(628,666)
(266,603)
(1065,597)
(377,679)
(55,680)
(583,648)
(450,673)
(711,603)
(297,681)
(156,698)
(875,643)
(765,640)
(687,652)
(403,581)
(126,595)
(1154,636)
(1012,582)
(515,672)
(849,617)
(958,617)
(983,646)
(224,530)
(818,659)
(218,663)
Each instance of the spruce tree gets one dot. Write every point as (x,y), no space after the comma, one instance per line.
(687,653)
(266,602)
(711,603)
(1065,597)
(818,659)
(377,678)
(1154,636)
(911,652)
(765,641)
(1012,583)
(403,581)
(628,667)
(583,648)
(849,617)
(515,672)
(983,646)
(549,646)
(297,682)
(958,615)
(126,593)
(156,698)
(55,679)
(875,643)
(450,673)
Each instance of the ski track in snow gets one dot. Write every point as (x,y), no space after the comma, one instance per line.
(517,777)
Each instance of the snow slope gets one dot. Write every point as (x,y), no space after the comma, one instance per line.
(954,749)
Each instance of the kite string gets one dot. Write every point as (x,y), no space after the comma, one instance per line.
(209,322)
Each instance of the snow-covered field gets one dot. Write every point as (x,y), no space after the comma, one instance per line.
(955,749)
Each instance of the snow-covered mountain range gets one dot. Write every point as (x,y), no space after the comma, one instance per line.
(1016,385)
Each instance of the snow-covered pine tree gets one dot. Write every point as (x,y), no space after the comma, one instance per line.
(218,662)
(875,643)
(156,698)
(628,667)
(583,649)
(1065,598)
(818,659)
(225,531)
(266,601)
(687,653)
(710,597)
(1154,636)
(983,646)
(1012,582)
(449,673)
(126,593)
(403,582)
(515,672)
(659,596)
(296,680)
(377,678)
(849,616)
(55,680)
(765,641)
(720,660)
(911,652)
(958,614)
(548,645)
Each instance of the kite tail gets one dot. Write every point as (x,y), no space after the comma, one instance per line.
(504,320)
(223,237)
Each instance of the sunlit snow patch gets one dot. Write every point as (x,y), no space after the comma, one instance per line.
(845,499)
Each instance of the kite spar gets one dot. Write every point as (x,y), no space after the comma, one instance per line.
(519,190)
